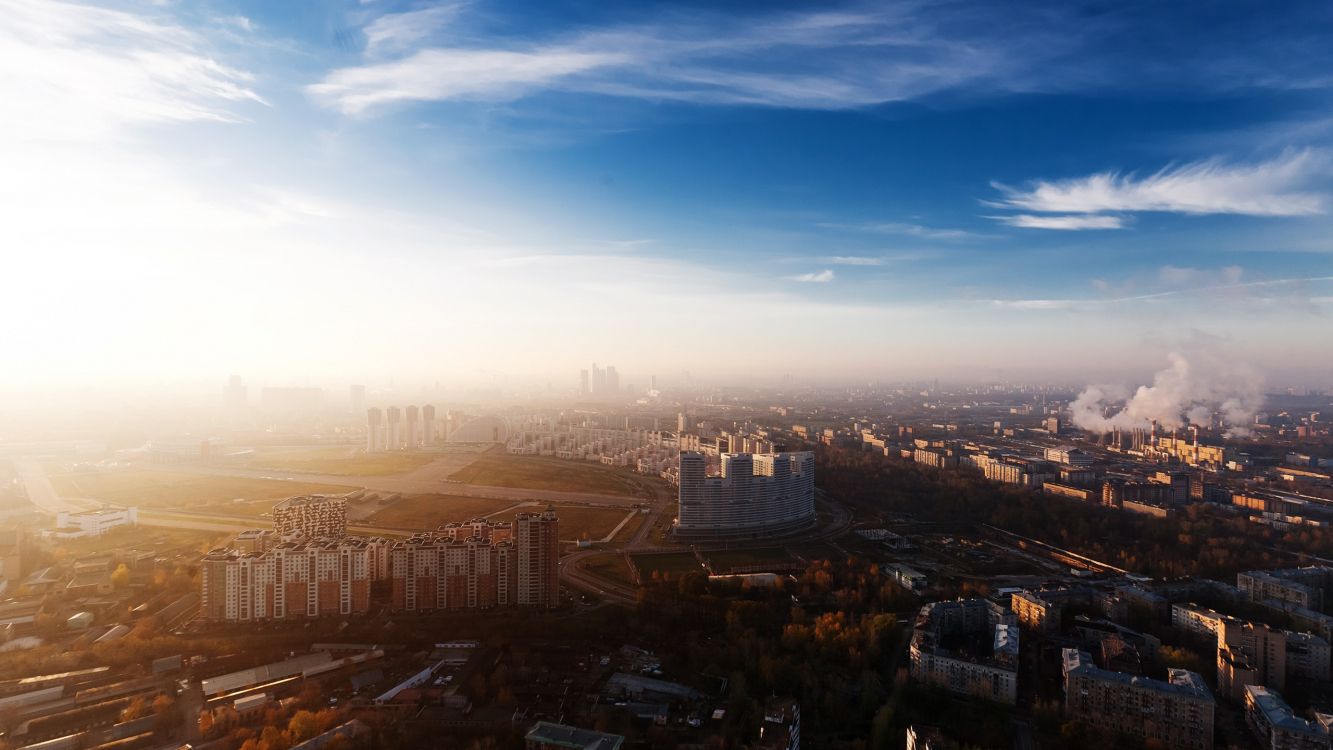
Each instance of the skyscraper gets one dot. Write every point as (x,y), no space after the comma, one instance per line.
(394,439)
(537,545)
(612,380)
(428,424)
(356,395)
(412,433)
(374,430)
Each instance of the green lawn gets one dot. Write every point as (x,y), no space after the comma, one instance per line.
(725,560)
(144,537)
(673,564)
(541,473)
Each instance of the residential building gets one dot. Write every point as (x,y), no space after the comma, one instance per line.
(940,655)
(1276,727)
(311,516)
(1177,713)
(756,495)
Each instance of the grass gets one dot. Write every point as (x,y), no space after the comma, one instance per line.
(577,522)
(429,511)
(671,563)
(150,488)
(611,567)
(540,473)
(340,460)
(143,537)
(727,559)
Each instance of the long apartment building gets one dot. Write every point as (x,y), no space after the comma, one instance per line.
(311,516)
(1178,713)
(757,494)
(473,565)
(1277,727)
(939,654)
(1307,587)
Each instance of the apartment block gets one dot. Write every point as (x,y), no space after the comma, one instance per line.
(1178,713)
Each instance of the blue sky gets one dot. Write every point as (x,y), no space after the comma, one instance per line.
(1060,189)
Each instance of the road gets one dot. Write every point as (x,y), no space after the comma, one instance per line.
(42,493)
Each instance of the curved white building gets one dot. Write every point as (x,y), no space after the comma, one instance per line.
(758,494)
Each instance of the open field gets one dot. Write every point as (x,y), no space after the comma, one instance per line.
(673,564)
(577,522)
(725,560)
(151,488)
(540,473)
(429,511)
(143,538)
(343,460)
(612,567)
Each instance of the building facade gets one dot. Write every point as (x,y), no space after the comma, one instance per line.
(311,516)
(756,495)
(1177,713)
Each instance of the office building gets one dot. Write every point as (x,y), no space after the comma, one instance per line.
(311,516)
(756,495)
(1177,713)
(92,522)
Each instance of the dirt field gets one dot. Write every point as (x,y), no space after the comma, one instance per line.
(152,488)
(539,473)
(429,511)
(144,538)
(726,560)
(673,564)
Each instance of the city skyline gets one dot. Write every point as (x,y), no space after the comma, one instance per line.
(496,191)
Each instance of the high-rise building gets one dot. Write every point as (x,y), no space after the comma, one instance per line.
(394,435)
(585,387)
(428,424)
(311,516)
(598,380)
(472,565)
(757,494)
(612,380)
(374,430)
(536,539)
(412,434)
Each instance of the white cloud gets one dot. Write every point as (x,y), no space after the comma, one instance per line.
(1277,187)
(71,71)
(904,228)
(1066,221)
(397,31)
(816,277)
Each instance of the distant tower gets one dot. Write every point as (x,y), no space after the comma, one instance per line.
(598,380)
(428,424)
(395,436)
(356,394)
(583,382)
(652,383)
(612,380)
(374,430)
(234,399)
(413,426)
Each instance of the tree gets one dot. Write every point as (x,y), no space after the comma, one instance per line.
(120,578)
(303,726)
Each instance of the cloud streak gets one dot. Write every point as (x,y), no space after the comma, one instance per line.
(1066,222)
(1278,187)
(816,277)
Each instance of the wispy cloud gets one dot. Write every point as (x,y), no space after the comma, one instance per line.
(1263,291)
(397,31)
(80,71)
(816,277)
(853,260)
(901,228)
(819,60)
(1066,221)
(1278,187)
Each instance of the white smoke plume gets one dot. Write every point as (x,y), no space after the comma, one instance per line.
(1190,390)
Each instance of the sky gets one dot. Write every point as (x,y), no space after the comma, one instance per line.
(508,191)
